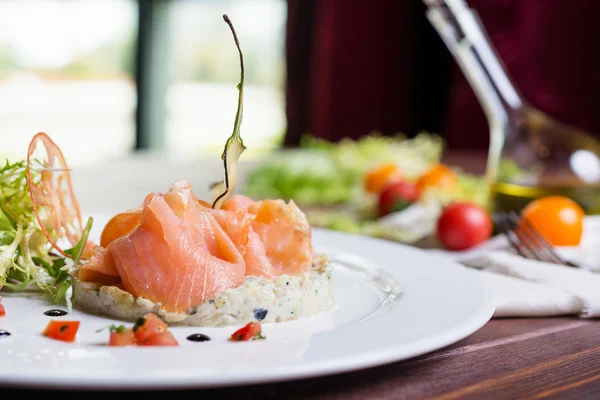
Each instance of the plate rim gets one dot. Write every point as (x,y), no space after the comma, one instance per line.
(305,370)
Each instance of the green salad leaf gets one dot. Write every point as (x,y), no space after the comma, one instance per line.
(26,255)
(326,173)
(326,180)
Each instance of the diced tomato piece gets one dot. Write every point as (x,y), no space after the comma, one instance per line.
(2,311)
(62,330)
(124,337)
(251,331)
(165,338)
(147,326)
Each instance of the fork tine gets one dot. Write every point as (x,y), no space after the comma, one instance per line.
(503,223)
(528,240)
(546,245)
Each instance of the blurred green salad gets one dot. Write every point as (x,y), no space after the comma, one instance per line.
(322,173)
(327,181)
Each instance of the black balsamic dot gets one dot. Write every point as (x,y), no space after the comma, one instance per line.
(55,313)
(4,334)
(260,314)
(198,337)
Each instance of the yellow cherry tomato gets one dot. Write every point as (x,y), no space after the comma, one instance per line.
(557,218)
(440,176)
(381,175)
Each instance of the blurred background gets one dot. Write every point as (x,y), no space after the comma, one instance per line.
(108,77)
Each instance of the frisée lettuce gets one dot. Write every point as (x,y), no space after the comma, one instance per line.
(26,255)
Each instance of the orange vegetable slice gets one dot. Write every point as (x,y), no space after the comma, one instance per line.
(53,191)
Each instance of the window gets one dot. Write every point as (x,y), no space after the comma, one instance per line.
(201,99)
(67,68)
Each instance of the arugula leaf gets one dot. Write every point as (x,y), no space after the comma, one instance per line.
(60,293)
(77,251)
(43,263)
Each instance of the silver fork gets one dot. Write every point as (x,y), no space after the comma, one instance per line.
(526,240)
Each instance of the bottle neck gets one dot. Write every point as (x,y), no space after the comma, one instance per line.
(464,35)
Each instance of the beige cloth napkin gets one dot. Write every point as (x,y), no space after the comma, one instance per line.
(528,288)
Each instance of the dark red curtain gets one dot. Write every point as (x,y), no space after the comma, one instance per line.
(357,66)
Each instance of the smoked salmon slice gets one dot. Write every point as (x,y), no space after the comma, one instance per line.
(178,255)
(278,238)
(100,267)
(178,252)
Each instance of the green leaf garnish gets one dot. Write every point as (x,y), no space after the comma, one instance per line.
(113,328)
(77,251)
(234,147)
(60,293)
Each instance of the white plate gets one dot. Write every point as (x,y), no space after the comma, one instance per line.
(399,304)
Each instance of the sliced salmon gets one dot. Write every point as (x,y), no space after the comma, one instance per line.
(178,255)
(119,226)
(285,234)
(178,252)
(237,202)
(100,267)
(278,240)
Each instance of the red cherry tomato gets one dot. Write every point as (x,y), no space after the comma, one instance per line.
(2,311)
(396,196)
(463,225)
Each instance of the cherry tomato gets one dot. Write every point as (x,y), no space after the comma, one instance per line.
(147,326)
(62,330)
(250,331)
(558,219)
(2,311)
(440,176)
(122,337)
(165,338)
(463,225)
(396,196)
(379,176)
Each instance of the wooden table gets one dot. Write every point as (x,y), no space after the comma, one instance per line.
(506,359)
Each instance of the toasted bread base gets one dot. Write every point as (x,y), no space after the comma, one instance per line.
(285,298)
